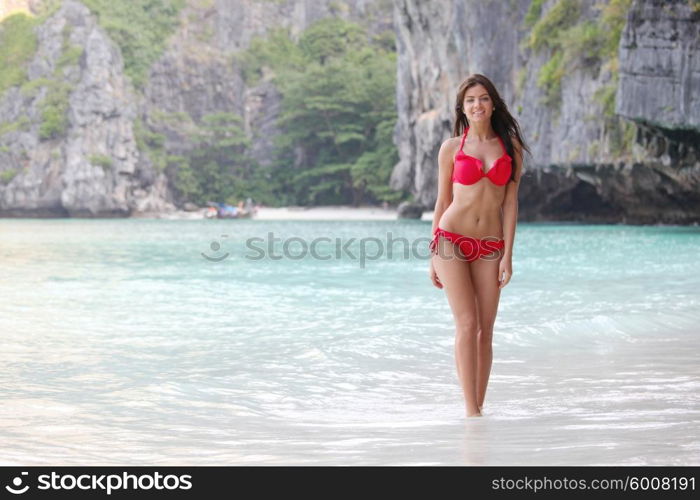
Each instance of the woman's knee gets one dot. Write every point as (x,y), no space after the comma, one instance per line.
(466,329)
(485,335)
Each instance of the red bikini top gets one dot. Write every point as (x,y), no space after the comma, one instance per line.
(467,169)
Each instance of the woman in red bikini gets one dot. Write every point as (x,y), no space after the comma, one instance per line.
(474,225)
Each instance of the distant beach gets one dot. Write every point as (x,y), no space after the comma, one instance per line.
(329,213)
(302,213)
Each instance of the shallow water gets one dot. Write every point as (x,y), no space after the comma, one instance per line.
(122,344)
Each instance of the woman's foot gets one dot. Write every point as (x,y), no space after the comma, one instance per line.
(476,413)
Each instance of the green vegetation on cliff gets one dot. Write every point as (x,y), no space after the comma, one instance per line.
(6,176)
(338,113)
(101,160)
(54,106)
(141,29)
(574,42)
(151,143)
(216,168)
(17,45)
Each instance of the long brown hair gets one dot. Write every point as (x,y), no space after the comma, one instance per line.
(502,121)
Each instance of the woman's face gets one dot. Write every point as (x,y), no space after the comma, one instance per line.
(477,104)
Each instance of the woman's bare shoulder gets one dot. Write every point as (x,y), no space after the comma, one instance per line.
(450,145)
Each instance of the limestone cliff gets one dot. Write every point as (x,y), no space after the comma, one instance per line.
(88,165)
(94,164)
(637,162)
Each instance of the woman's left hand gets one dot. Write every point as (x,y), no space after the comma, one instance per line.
(505,271)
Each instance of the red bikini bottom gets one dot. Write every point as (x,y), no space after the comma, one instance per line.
(472,248)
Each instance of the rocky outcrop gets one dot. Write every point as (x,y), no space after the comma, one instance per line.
(660,66)
(581,167)
(660,91)
(87,166)
(94,166)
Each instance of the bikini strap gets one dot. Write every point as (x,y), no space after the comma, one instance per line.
(464,136)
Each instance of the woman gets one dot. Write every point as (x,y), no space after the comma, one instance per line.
(474,225)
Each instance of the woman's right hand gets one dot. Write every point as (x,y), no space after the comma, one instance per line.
(433,275)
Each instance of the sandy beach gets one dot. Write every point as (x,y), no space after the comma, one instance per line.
(329,213)
(304,213)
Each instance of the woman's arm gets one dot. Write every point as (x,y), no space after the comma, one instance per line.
(444,194)
(510,217)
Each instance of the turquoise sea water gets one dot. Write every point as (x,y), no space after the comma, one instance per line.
(121,343)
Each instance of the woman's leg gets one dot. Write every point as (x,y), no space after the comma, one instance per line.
(453,272)
(484,274)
